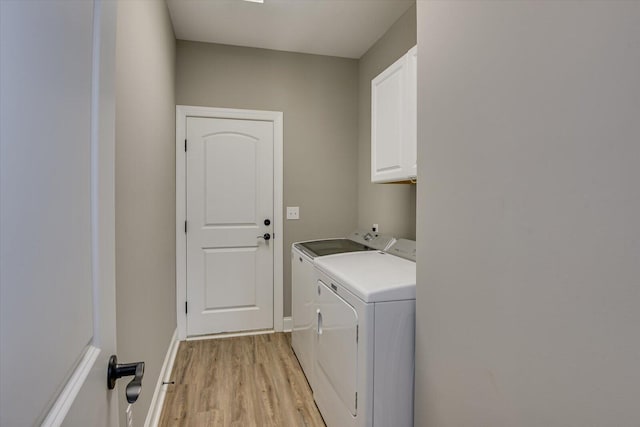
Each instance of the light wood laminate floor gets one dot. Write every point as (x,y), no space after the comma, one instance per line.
(243,381)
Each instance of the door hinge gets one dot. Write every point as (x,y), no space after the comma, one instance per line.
(185,226)
(356,400)
(186,307)
(185,145)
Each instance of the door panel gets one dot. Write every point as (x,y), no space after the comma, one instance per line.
(388,122)
(229,195)
(57,312)
(223,267)
(230,157)
(42,242)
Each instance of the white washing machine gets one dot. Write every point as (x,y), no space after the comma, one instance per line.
(364,344)
(303,285)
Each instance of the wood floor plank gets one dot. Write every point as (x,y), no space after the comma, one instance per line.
(243,381)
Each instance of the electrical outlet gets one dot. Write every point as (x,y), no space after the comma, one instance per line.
(293,212)
(375,228)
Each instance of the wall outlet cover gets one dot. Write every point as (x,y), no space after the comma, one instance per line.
(293,212)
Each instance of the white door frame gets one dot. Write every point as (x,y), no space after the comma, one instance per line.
(182,112)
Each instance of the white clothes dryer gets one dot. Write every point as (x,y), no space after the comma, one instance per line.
(303,285)
(364,344)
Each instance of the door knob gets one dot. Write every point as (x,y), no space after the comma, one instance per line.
(267,221)
(117,370)
(265,236)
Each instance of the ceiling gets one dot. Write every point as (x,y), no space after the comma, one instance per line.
(345,28)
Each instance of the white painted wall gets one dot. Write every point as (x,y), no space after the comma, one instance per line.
(528,300)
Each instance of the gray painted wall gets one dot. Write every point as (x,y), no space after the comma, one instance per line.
(145,191)
(528,207)
(318,95)
(391,206)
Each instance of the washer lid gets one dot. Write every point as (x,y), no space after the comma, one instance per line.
(372,276)
(317,248)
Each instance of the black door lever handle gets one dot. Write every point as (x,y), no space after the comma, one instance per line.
(116,370)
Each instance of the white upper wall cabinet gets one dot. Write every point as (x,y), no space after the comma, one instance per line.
(393,121)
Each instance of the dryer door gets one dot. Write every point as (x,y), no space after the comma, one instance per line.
(336,349)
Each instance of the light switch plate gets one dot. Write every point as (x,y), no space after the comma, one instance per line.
(293,212)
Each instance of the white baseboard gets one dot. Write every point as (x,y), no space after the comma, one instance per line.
(155,409)
(287,327)
(287,324)
(230,334)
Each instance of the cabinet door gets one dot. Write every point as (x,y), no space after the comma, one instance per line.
(388,92)
(410,142)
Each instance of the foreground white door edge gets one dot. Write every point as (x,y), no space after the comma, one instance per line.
(274,120)
(57,323)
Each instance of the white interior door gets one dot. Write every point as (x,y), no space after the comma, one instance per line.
(57,293)
(229,198)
